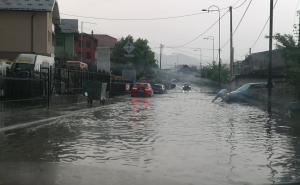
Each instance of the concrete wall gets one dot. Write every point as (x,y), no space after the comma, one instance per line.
(282,92)
(103,59)
(15,33)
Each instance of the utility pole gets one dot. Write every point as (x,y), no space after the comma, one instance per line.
(270,81)
(81,38)
(213,45)
(160,55)
(219,11)
(231,44)
(299,29)
(81,43)
(200,52)
(250,51)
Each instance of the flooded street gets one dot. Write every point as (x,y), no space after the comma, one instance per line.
(176,138)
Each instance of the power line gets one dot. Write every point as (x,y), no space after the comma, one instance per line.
(200,35)
(148,19)
(233,5)
(135,19)
(240,21)
(242,17)
(263,29)
(236,2)
(240,5)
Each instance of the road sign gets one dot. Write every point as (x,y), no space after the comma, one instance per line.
(129,47)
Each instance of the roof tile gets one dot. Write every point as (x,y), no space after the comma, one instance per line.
(27,5)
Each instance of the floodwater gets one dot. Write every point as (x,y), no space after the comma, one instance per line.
(176,138)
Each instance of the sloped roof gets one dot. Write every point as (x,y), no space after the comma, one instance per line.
(105,41)
(31,5)
(69,26)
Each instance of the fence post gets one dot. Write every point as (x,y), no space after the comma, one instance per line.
(68,70)
(49,87)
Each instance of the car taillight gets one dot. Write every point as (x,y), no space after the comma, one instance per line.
(135,88)
(147,89)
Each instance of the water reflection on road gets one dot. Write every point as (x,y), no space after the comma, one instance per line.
(181,136)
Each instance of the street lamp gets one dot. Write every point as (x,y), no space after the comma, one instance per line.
(217,10)
(200,50)
(177,59)
(213,41)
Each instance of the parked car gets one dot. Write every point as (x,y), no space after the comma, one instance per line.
(294,110)
(142,89)
(186,87)
(159,88)
(27,64)
(249,91)
(173,85)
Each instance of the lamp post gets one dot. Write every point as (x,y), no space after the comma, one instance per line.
(213,41)
(177,59)
(218,10)
(200,50)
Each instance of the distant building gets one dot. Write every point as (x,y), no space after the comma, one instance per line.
(27,26)
(186,69)
(237,67)
(66,37)
(257,64)
(103,52)
(85,48)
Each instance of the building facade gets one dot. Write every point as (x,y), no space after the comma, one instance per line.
(67,35)
(27,26)
(258,63)
(85,48)
(103,52)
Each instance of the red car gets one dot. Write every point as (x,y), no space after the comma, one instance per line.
(141,89)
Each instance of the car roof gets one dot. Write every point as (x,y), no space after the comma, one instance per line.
(258,83)
(141,83)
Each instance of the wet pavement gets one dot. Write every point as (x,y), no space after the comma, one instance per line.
(176,138)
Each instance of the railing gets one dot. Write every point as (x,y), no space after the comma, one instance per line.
(39,88)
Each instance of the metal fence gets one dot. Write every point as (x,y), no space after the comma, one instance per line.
(69,81)
(38,89)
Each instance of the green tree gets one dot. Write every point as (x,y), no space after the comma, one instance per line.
(212,72)
(142,60)
(291,52)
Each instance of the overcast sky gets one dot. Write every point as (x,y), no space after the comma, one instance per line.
(174,32)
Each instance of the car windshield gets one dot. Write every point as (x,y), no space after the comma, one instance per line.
(22,66)
(243,88)
(142,85)
(149,92)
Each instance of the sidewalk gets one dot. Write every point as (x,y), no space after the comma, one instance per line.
(30,116)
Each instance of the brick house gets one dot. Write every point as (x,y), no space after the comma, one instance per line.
(85,48)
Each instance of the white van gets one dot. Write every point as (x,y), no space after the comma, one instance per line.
(29,65)
(32,62)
